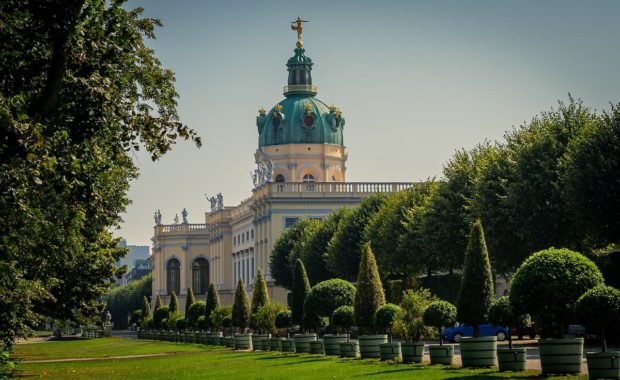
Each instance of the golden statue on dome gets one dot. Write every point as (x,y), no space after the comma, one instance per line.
(297,26)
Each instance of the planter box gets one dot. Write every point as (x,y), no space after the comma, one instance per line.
(350,349)
(316,347)
(243,341)
(302,342)
(604,365)
(230,341)
(561,355)
(287,345)
(213,338)
(257,343)
(331,343)
(412,352)
(479,352)
(275,344)
(511,359)
(190,337)
(369,345)
(390,351)
(441,354)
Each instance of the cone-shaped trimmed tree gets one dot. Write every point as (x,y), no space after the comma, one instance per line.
(189,301)
(173,307)
(477,287)
(158,303)
(369,296)
(213,301)
(241,307)
(301,288)
(259,295)
(146,308)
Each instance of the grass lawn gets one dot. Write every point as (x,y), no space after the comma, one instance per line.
(208,362)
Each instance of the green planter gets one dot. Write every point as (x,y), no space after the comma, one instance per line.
(369,345)
(479,352)
(390,351)
(213,338)
(561,355)
(412,352)
(350,349)
(287,345)
(274,344)
(604,365)
(316,347)
(230,341)
(331,343)
(302,342)
(243,341)
(257,341)
(441,354)
(190,337)
(511,359)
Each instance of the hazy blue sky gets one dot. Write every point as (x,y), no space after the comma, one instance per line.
(416,80)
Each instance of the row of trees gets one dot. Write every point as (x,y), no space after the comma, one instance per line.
(552,182)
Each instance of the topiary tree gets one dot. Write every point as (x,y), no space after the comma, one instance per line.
(548,284)
(385,317)
(173,306)
(213,301)
(180,323)
(409,321)
(301,288)
(598,310)
(477,287)
(189,300)
(501,313)
(145,311)
(265,317)
(241,307)
(159,315)
(158,303)
(284,320)
(327,296)
(260,296)
(201,324)
(343,318)
(440,314)
(195,311)
(219,316)
(369,296)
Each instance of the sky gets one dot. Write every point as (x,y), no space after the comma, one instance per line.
(416,81)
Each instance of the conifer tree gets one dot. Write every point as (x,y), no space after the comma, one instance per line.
(300,289)
(173,307)
(189,301)
(241,307)
(146,308)
(369,296)
(260,296)
(477,287)
(213,301)
(158,303)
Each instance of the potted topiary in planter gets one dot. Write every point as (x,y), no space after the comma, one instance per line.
(384,319)
(501,314)
(369,297)
(440,314)
(409,324)
(284,320)
(342,320)
(241,318)
(475,298)
(546,286)
(599,311)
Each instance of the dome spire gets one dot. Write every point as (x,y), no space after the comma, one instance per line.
(299,67)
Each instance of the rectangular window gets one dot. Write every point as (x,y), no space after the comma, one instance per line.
(252,233)
(252,270)
(247,235)
(289,222)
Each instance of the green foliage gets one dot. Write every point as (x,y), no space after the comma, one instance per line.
(158,303)
(241,307)
(136,316)
(124,299)
(439,314)
(501,313)
(327,296)
(386,316)
(180,324)
(174,305)
(598,310)
(194,313)
(369,296)
(608,262)
(344,250)
(409,321)
(548,284)
(445,286)
(265,317)
(202,324)
(161,314)
(301,288)
(260,296)
(284,319)
(221,317)
(213,301)
(478,287)
(343,317)
(146,307)
(281,264)
(227,322)
(189,300)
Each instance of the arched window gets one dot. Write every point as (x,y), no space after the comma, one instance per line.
(200,276)
(279,178)
(308,178)
(173,269)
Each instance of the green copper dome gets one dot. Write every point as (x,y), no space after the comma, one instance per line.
(300,118)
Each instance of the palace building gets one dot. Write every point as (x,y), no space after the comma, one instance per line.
(300,173)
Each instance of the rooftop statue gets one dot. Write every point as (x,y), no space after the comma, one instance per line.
(297,26)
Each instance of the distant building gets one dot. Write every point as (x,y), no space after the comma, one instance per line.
(138,262)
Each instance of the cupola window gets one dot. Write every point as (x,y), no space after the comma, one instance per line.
(279,178)
(308,178)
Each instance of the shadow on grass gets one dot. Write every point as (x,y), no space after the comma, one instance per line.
(299,362)
(385,372)
(490,374)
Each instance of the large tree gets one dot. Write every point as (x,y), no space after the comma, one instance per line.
(282,261)
(79,90)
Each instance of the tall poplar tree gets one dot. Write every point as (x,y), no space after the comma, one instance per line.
(301,288)
(369,296)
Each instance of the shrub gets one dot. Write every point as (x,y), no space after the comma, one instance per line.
(174,305)
(213,301)
(201,323)
(386,315)
(344,317)
(159,315)
(440,314)
(147,323)
(158,303)
(135,317)
(165,324)
(219,315)
(195,311)
(548,284)
(189,300)
(409,321)
(146,308)
(180,323)
(227,322)
(369,296)
(241,307)
(599,311)
(265,317)
(284,319)
(477,288)
(301,288)
(259,296)
(501,313)
(327,296)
